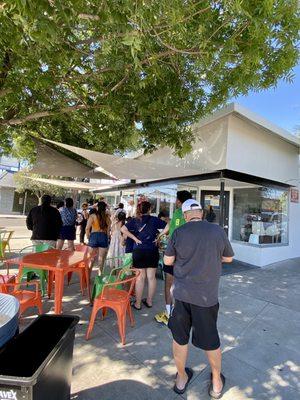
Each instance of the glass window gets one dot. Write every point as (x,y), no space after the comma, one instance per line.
(260,216)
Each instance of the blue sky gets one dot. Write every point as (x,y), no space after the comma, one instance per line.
(280,105)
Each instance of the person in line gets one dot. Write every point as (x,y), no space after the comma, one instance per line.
(68,230)
(176,221)
(130,208)
(128,242)
(98,233)
(211,215)
(116,248)
(83,222)
(197,250)
(164,216)
(145,255)
(60,204)
(45,223)
(120,208)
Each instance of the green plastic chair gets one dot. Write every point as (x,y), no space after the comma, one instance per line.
(113,275)
(30,272)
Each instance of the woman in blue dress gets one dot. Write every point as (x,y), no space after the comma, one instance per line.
(143,230)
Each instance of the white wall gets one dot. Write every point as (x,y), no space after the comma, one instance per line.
(255,151)
(258,255)
(265,255)
(6,200)
(209,149)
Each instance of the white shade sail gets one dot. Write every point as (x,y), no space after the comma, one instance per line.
(73,184)
(51,162)
(128,168)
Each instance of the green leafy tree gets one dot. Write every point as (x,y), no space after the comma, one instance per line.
(117,75)
(35,187)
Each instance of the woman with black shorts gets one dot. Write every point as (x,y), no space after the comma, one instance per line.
(143,231)
(68,229)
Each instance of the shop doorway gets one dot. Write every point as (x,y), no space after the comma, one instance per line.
(211,198)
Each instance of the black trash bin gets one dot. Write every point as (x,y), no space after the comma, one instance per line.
(37,363)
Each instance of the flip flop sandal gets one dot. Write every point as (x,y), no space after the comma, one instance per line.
(135,307)
(190,374)
(212,393)
(144,301)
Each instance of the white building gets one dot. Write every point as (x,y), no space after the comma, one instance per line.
(241,164)
(8,166)
(258,164)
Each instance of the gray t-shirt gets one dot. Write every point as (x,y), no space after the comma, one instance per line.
(198,247)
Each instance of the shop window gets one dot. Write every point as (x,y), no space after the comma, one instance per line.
(260,216)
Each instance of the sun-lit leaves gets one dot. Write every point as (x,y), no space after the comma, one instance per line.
(118,75)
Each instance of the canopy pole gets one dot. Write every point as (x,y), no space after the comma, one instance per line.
(158,205)
(222,201)
(25,201)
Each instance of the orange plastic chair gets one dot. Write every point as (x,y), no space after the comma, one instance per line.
(116,299)
(80,270)
(26,298)
(8,277)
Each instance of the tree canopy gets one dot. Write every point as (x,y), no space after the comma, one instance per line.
(120,74)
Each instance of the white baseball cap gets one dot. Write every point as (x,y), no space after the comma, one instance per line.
(191,205)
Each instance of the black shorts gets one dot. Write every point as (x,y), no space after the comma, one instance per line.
(68,232)
(201,320)
(145,258)
(168,269)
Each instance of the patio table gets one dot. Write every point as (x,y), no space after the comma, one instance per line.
(57,262)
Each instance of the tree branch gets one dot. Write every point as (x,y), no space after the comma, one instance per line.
(89,17)
(180,51)
(42,114)
(180,21)
(64,110)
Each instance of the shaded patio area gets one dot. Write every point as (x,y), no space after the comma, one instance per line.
(259,324)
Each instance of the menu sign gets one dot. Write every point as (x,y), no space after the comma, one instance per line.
(294,195)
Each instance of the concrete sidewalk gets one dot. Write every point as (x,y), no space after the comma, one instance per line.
(259,324)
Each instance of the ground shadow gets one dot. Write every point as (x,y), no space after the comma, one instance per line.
(121,389)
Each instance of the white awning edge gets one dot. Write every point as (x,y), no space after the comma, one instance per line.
(72,184)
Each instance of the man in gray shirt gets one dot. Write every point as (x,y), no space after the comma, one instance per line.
(197,250)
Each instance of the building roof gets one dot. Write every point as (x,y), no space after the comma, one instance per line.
(252,117)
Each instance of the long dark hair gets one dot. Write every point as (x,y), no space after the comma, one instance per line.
(143,208)
(102,216)
(121,217)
